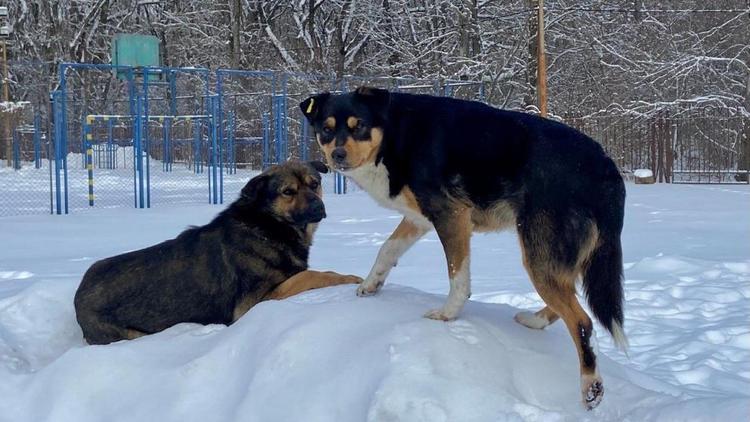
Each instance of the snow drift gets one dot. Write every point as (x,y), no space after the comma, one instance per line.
(324,355)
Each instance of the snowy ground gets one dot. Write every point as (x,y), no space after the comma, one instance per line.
(27,191)
(328,355)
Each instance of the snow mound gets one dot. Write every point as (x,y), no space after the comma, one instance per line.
(325,355)
(643,173)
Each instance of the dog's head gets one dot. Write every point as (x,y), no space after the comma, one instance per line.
(348,127)
(290,192)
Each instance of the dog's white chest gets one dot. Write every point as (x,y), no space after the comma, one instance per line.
(374,179)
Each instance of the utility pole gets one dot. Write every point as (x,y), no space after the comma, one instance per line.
(541,68)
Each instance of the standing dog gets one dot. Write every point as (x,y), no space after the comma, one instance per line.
(461,166)
(253,251)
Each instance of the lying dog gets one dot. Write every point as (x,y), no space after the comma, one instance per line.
(255,250)
(462,166)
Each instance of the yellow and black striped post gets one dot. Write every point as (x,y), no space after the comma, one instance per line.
(89,157)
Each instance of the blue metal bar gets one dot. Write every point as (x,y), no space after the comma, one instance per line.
(196,149)
(37,140)
(173,110)
(145,146)
(111,157)
(214,149)
(64,126)
(57,140)
(304,139)
(266,141)
(88,137)
(238,72)
(137,156)
(165,145)
(220,125)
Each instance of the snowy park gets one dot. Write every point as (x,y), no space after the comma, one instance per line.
(608,139)
(330,355)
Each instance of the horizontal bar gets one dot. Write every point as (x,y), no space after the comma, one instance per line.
(105,117)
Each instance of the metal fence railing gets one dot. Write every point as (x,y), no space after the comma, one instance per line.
(153,136)
(694,146)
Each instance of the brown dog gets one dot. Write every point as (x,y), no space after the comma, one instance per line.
(255,250)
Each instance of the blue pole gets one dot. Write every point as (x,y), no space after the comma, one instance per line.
(57,140)
(230,141)
(304,139)
(219,112)
(145,139)
(266,141)
(284,122)
(64,129)
(214,150)
(111,158)
(88,136)
(196,149)
(83,143)
(37,140)
(221,156)
(165,148)
(138,150)
(173,112)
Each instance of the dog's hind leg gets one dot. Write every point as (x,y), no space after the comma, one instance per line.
(97,331)
(454,229)
(406,234)
(552,256)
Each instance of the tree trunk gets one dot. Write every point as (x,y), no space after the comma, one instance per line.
(744,158)
(236,15)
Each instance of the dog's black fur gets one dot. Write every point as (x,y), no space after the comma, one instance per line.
(207,272)
(565,196)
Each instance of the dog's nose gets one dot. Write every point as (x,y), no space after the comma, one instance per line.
(339,154)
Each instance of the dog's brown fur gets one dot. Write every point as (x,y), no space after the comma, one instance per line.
(255,250)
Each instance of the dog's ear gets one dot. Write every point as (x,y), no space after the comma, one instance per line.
(375,97)
(311,107)
(319,166)
(255,190)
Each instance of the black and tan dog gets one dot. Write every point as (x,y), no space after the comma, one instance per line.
(255,250)
(461,166)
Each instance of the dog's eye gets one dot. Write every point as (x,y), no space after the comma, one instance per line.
(289,192)
(327,130)
(314,185)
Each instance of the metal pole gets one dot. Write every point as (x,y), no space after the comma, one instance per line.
(37,140)
(541,80)
(89,157)
(58,164)
(64,130)
(214,150)
(138,150)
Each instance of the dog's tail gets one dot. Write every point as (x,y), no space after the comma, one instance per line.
(602,282)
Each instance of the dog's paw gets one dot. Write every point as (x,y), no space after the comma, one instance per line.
(369,288)
(530,320)
(592,390)
(439,315)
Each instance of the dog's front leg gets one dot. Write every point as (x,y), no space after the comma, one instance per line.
(454,228)
(406,234)
(308,280)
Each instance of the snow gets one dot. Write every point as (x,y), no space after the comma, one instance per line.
(328,355)
(13,106)
(643,173)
